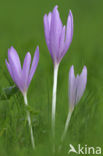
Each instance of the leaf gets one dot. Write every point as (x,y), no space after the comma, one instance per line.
(31,110)
(6,93)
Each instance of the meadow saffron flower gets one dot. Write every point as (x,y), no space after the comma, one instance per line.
(58,39)
(22,76)
(77,87)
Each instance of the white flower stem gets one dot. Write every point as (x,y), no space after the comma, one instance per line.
(54,100)
(66,128)
(29,122)
(66,125)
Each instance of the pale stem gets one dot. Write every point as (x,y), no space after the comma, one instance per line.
(66,128)
(66,125)
(29,121)
(54,99)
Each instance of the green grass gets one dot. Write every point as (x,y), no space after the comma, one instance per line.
(21,26)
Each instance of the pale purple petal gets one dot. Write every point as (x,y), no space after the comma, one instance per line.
(15,65)
(13,57)
(25,71)
(47,25)
(34,65)
(69,31)
(81,84)
(55,31)
(9,69)
(46,29)
(61,45)
(72,87)
(49,19)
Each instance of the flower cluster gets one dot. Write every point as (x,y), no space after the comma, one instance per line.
(58,40)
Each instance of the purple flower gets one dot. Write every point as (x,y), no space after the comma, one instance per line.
(77,86)
(58,37)
(22,76)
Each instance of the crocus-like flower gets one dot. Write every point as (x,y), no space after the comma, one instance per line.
(22,76)
(77,86)
(58,37)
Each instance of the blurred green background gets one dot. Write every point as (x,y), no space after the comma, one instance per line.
(21,26)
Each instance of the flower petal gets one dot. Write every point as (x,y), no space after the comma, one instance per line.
(9,69)
(72,87)
(49,19)
(15,65)
(46,29)
(13,57)
(69,31)
(55,31)
(81,84)
(47,25)
(25,71)
(34,65)
(61,44)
